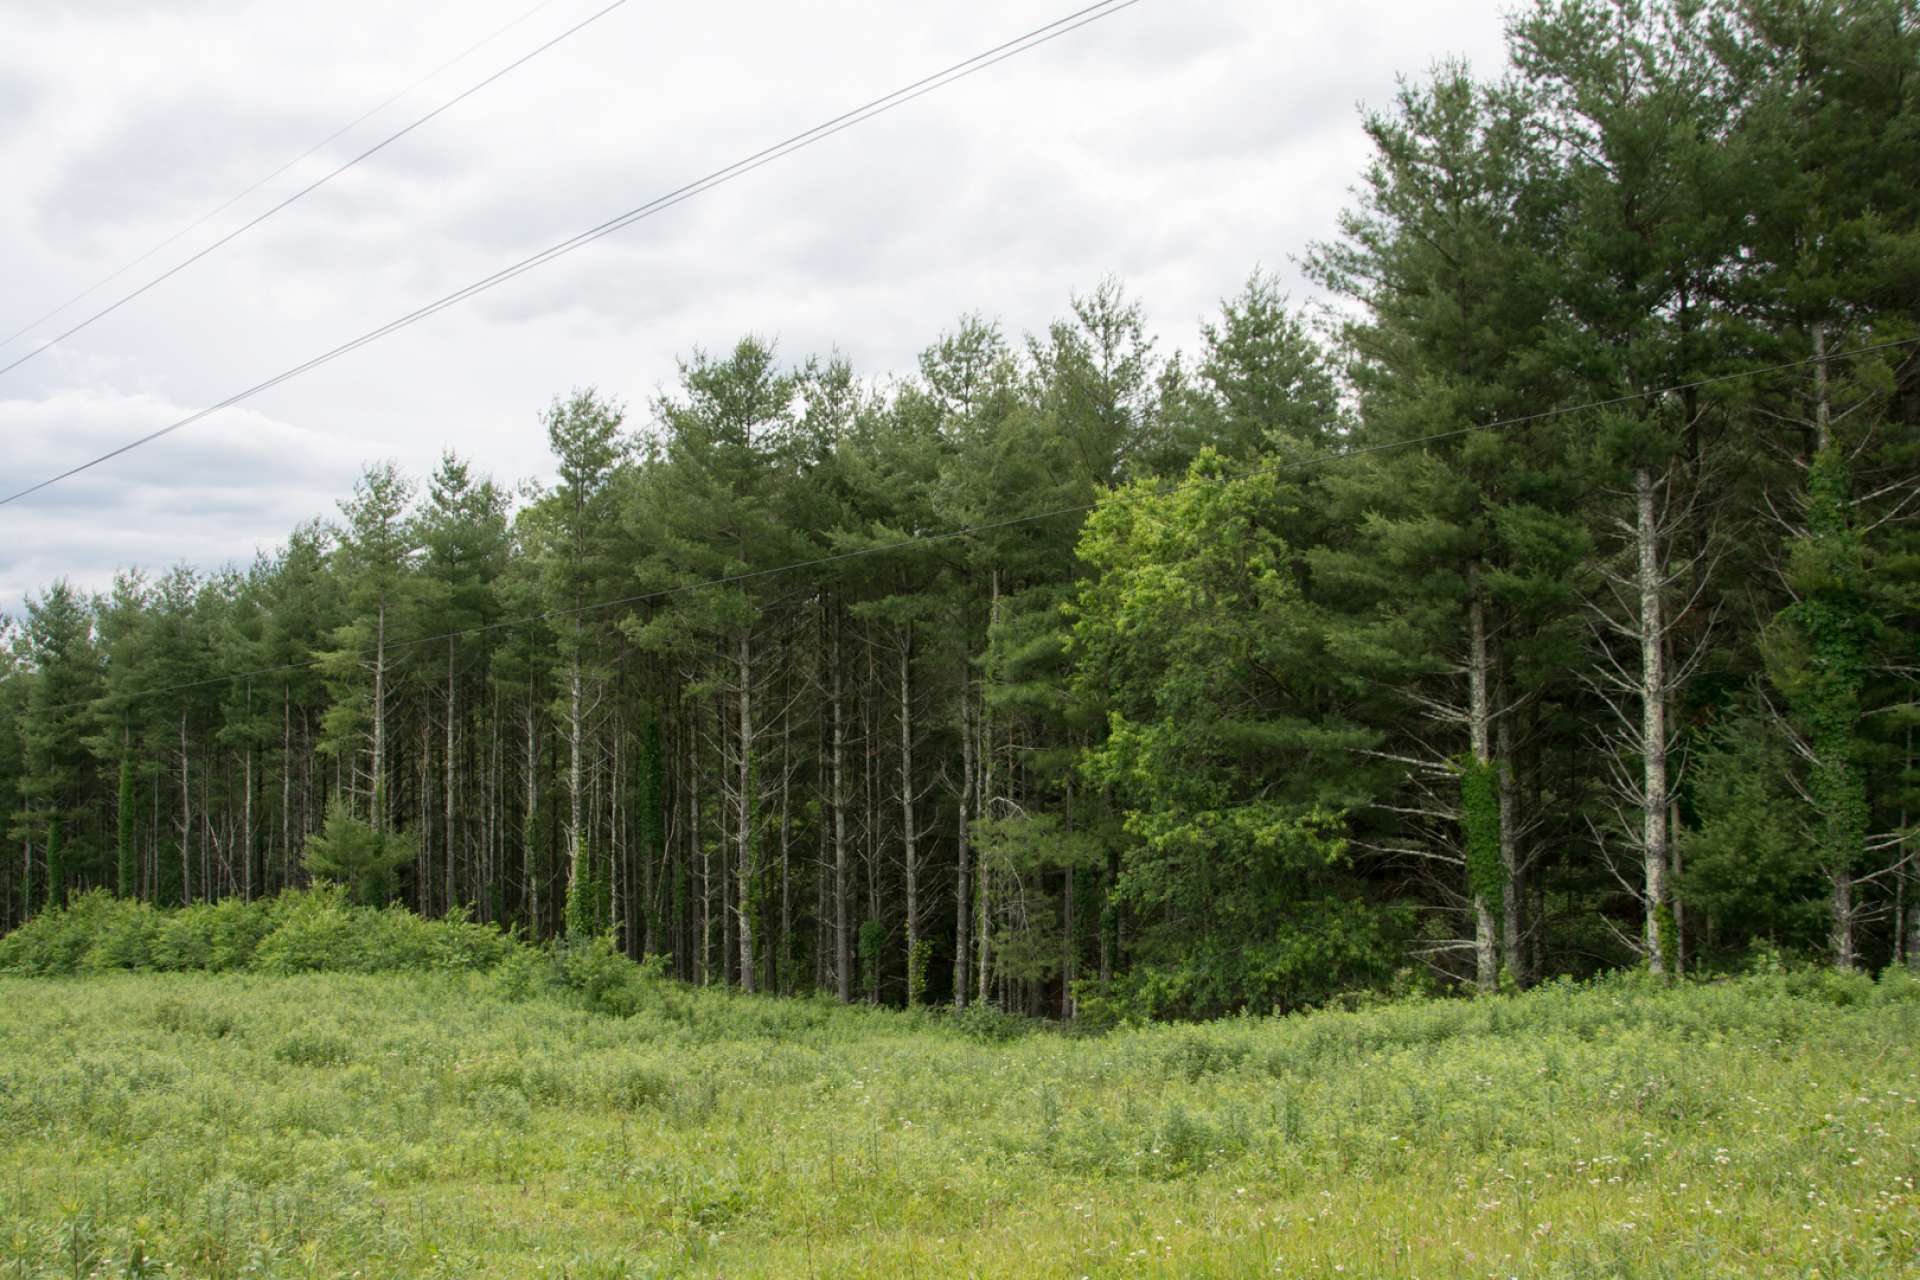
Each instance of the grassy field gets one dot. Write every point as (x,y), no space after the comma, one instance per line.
(462,1125)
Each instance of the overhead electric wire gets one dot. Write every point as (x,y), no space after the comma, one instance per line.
(311,187)
(719,177)
(217,210)
(924,539)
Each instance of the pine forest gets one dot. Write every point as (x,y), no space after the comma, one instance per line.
(1545,603)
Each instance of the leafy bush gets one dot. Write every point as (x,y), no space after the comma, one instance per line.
(311,931)
(526,973)
(320,932)
(125,936)
(94,931)
(1897,986)
(218,936)
(607,980)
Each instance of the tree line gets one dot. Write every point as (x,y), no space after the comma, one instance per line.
(1552,606)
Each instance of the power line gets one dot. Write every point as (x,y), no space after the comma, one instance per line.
(719,177)
(311,187)
(1299,466)
(216,211)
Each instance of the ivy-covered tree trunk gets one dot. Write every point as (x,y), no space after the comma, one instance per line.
(1514,916)
(56,866)
(1828,565)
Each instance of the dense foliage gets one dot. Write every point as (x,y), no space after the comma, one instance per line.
(467,1124)
(1558,613)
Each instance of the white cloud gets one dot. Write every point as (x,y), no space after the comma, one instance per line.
(1176,145)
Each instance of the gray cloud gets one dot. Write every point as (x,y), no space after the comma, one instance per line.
(183,156)
(203,502)
(1175,145)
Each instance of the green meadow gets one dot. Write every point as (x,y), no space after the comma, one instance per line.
(497,1111)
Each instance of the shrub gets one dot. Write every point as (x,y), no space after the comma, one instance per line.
(219,936)
(607,980)
(95,930)
(317,931)
(349,852)
(311,1047)
(321,932)
(1897,986)
(525,974)
(981,1021)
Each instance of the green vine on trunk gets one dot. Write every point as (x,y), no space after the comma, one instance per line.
(1835,626)
(1480,831)
(919,957)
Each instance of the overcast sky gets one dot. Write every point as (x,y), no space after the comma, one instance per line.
(1176,145)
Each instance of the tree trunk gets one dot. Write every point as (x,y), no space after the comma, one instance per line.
(448,783)
(842,941)
(1911,878)
(870,809)
(207,886)
(783,953)
(576,906)
(916,976)
(286,785)
(186,820)
(983,798)
(743,806)
(617,840)
(246,818)
(1513,902)
(423,847)
(379,779)
(962,884)
(1838,786)
(1653,725)
(1067,972)
(1842,936)
(529,832)
(703,856)
(653,833)
(1486,963)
